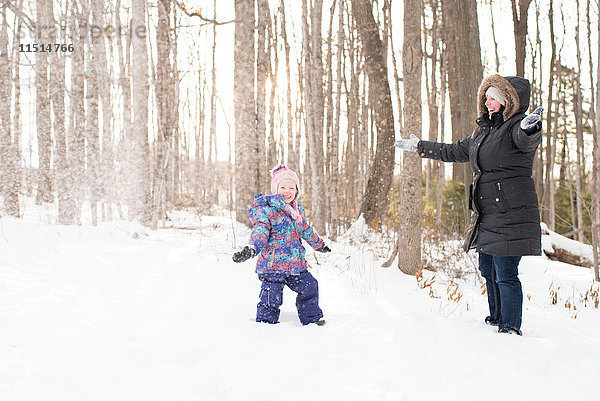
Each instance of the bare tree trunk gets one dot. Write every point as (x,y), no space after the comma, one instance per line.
(596,170)
(301,116)
(427,34)
(560,101)
(247,178)
(175,177)
(452,72)
(139,209)
(259,159)
(76,138)
(200,181)
(375,200)
(548,197)
(292,157)
(262,70)
(410,206)
(12,204)
(124,151)
(432,89)
(92,123)
(496,58)
(329,190)
(350,159)
(362,140)
(9,161)
(105,179)
(66,204)
(464,70)
(572,196)
(536,85)
(335,134)
(520,26)
(441,170)
(273,65)
(165,104)
(212,133)
(42,115)
(593,98)
(355,190)
(313,75)
(396,77)
(580,164)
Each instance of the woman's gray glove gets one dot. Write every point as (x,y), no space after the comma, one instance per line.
(244,254)
(532,122)
(409,144)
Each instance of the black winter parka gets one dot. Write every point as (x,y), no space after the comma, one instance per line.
(505,218)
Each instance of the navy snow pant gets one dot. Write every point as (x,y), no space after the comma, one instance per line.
(271,296)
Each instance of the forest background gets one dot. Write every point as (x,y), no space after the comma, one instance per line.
(139,108)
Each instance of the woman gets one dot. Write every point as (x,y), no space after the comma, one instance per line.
(505,222)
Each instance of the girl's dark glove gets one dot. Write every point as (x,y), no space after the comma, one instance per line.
(244,254)
(324,248)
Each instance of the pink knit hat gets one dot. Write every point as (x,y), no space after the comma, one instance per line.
(280,173)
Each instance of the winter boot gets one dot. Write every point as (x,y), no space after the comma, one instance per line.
(510,330)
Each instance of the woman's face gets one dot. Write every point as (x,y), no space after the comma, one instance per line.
(492,105)
(287,189)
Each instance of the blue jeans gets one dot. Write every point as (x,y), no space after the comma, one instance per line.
(505,295)
(271,296)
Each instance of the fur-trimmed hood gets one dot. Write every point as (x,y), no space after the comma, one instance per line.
(516,91)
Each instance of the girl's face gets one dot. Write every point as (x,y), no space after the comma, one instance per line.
(492,105)
(287,189)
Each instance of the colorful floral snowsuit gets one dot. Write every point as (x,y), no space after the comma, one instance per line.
(276,238)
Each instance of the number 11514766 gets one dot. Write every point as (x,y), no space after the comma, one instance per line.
(45,47)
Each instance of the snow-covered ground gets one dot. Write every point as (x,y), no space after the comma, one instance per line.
(119,312)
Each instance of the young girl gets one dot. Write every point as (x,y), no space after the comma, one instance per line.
(279,225)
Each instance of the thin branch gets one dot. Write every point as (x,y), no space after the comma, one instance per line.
(26,19)
(198,14)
